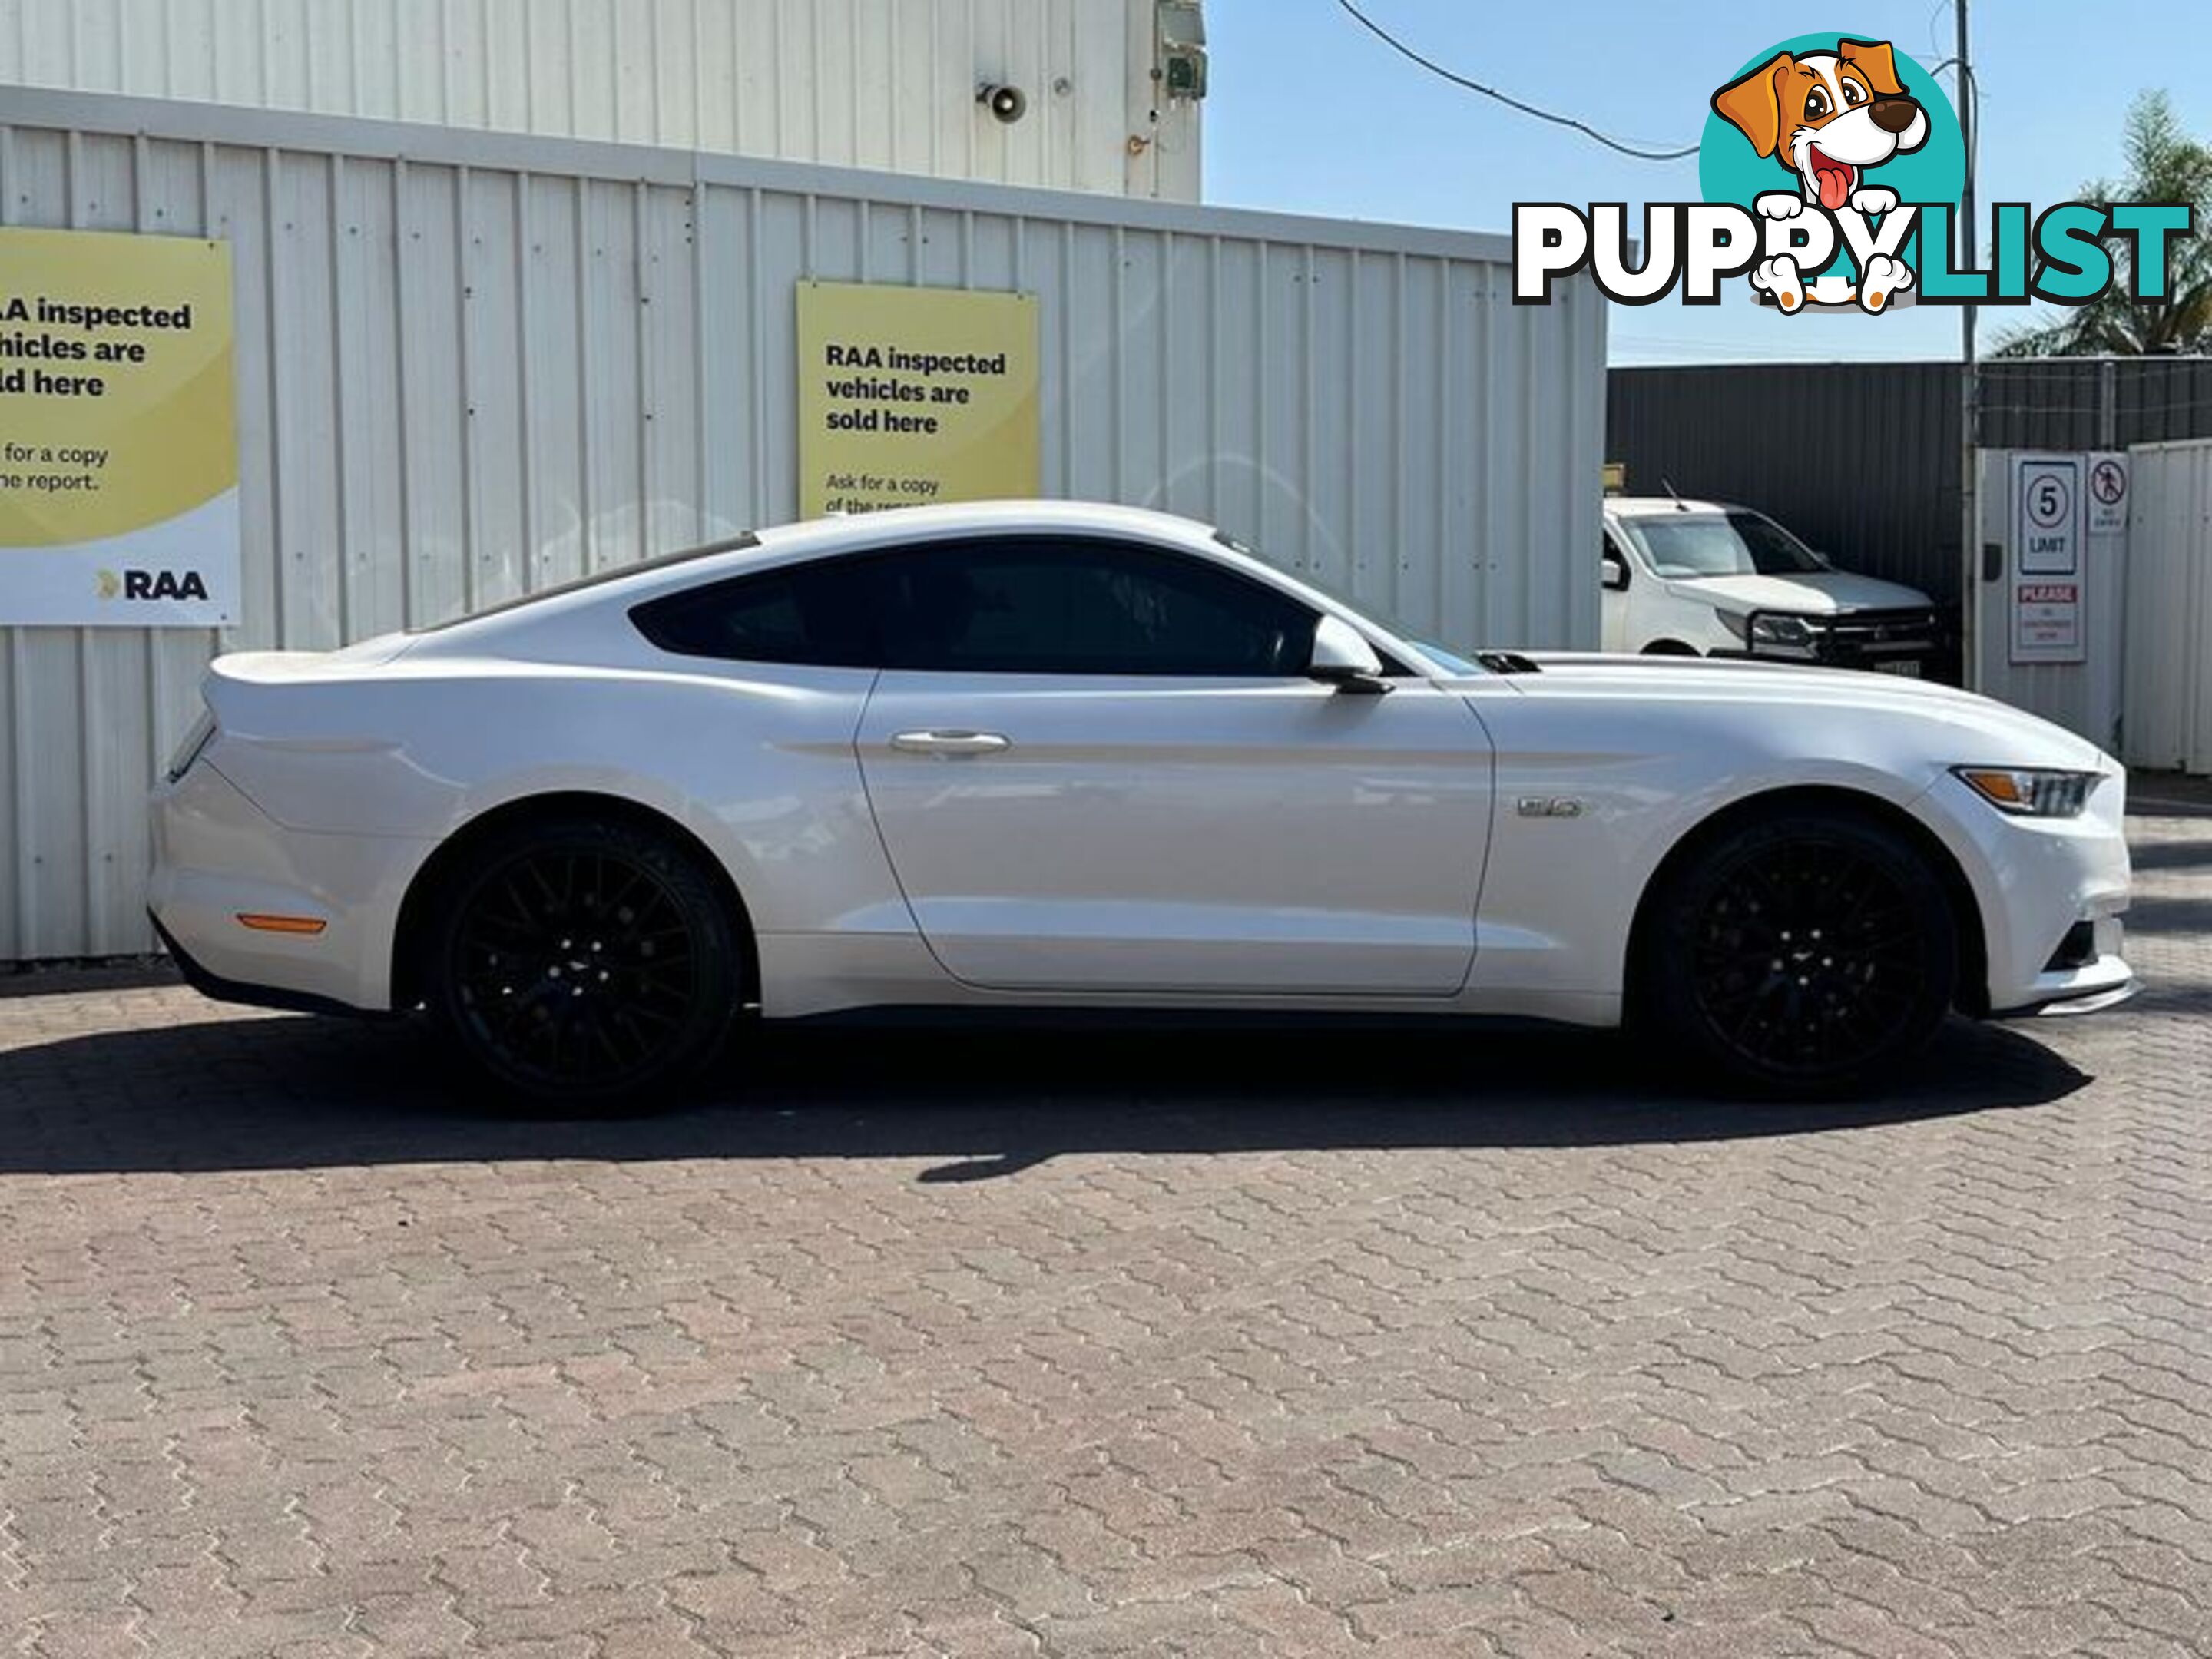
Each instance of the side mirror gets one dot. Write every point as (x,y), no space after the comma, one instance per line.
(1343,658)
(1612,572)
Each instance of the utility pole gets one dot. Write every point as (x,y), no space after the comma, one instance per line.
(1970,551)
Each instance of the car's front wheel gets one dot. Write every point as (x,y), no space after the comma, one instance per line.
(586,963)
(1807,951)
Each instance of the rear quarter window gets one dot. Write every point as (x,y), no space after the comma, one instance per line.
(821,614)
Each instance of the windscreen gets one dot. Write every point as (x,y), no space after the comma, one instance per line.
(1721,544)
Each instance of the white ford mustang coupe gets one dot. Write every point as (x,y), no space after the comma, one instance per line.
(1066,756)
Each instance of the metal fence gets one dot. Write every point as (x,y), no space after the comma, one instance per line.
(1862,459)
(472,364)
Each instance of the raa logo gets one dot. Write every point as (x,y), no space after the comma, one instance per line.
(1832,166)
(151,585)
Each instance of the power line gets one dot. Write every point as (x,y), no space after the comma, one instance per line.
(1434,68)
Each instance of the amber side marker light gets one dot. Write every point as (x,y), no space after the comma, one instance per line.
(266,924)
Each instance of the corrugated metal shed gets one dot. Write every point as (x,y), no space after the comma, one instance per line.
(1863,459)
(870,83)
(472,363)
(2168,672)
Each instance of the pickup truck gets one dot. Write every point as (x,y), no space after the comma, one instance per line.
(1706,579)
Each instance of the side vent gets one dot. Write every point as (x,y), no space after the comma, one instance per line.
(2077,949)
(1507,662)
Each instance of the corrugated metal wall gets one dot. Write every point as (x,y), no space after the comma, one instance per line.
(2169,608)
(870,83)
(472,363)
(1860,459)
(1863,459)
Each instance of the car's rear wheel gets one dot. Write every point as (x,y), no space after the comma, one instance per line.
(586,963)
(1808,950)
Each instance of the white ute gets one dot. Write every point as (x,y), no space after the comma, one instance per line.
(1704,579)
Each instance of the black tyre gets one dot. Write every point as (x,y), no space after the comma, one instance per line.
(586,964)
(1807,951)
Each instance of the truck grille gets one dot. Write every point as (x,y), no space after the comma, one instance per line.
(1880,633)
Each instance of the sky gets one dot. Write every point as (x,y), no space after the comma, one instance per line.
(1306,113)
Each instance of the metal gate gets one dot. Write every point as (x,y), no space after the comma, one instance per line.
(2050,594)
(2168,720)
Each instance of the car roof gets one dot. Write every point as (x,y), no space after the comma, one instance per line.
(527,622)
(1643,506)
(815,538)
(837,531)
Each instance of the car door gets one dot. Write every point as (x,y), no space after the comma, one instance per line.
(1099,766)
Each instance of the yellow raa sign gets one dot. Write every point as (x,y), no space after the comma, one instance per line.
(119,438)
(913,395)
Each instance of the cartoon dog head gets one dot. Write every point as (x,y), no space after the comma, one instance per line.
(1827,116)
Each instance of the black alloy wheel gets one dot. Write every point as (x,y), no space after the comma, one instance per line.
(1806,951)
(587,963)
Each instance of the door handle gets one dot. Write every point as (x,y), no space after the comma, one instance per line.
(949,743)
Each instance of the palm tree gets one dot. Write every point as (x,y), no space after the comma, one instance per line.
(2165,164)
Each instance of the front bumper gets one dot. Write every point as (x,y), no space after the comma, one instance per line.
(2050,892)
(2095,1003)
(2104,981)
(1894,642)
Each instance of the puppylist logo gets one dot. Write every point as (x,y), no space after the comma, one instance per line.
(1832,168)
(1858,130)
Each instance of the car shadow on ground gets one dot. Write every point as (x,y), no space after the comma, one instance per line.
(253,1093)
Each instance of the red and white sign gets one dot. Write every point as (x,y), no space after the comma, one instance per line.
(2047,536)
(2047,616)
(2108,493)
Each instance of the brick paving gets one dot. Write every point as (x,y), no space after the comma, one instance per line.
(1432,1343)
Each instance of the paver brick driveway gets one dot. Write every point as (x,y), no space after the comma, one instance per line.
(1452,1344)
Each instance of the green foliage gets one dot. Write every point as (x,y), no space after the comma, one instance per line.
(2164,164)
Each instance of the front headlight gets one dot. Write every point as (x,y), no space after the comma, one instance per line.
(2030,792)
(1777,628)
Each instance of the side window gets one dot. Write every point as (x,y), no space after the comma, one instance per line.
(820,613)
(1067,605)
(1613,563)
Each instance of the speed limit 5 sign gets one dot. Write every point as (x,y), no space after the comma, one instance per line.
(2047,580)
